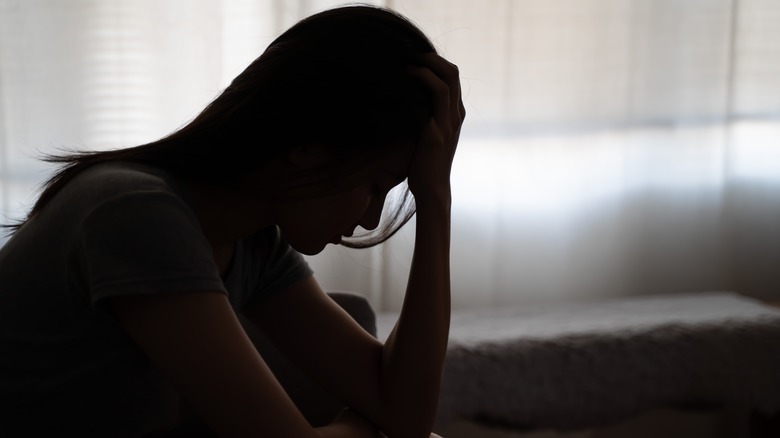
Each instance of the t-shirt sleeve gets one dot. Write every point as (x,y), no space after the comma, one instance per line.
(146,242)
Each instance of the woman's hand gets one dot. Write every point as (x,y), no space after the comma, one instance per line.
(429,173)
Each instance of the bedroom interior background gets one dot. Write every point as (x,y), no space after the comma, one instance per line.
(613,147)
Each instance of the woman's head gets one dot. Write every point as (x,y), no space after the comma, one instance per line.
(336,81)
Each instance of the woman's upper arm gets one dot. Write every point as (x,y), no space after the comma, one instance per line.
(325,342)
(199,344)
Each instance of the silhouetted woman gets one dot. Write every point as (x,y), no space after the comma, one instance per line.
(120,290)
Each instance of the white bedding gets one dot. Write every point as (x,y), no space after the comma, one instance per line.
(583,364)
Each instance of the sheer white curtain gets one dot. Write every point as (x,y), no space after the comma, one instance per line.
(612,146)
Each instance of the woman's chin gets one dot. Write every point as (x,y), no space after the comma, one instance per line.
(311,246)
(310,249)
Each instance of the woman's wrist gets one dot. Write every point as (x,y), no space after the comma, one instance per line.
(433,201)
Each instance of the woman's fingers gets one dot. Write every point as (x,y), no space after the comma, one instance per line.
(449,73)
(430,171)
(440,90)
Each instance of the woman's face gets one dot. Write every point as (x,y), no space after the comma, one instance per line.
(310,223)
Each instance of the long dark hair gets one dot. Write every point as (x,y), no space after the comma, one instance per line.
(336,79)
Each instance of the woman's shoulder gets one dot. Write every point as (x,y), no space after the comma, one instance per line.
(116,177)
(115,186)
(104,182)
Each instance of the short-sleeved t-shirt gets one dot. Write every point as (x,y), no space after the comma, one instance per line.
(66,364)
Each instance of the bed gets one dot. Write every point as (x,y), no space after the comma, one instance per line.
(574,365)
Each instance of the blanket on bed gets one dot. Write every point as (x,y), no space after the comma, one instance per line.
(584,364)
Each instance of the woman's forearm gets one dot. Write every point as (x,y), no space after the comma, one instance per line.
(413,355)
(414,352)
